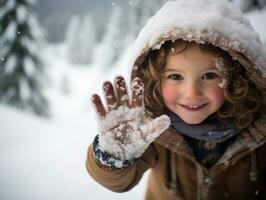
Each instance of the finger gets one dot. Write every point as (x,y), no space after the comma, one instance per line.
(137,92)
(109,94)
(98,105)
(121,90)
(157,126)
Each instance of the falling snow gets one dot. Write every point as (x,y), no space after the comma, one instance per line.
(60,144)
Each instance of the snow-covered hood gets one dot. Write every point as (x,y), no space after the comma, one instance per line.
(205,21)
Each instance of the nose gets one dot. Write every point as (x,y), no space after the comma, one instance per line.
(192,90)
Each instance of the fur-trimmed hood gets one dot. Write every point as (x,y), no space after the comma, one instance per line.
(205,21)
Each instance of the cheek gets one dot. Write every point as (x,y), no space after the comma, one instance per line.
(169,94)
(217,95)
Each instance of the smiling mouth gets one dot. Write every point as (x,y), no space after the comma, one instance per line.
(193,107)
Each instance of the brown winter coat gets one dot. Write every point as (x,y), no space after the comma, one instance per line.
(239,175)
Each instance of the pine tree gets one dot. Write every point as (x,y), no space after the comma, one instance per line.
(80,39)
(140,12)
(113,41)
(71,38)
(250,5)
(253,5)
(21,69)
(87,39)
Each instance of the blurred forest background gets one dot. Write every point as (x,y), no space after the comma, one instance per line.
(87,30)
(54,54)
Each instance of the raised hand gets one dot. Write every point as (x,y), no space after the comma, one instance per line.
(124,129)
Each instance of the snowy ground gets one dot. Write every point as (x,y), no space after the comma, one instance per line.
(44,159)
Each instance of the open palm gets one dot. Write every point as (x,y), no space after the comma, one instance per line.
(124,129)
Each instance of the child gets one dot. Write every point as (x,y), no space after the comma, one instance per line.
(196,114)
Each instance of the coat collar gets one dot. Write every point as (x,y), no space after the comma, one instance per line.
(247,141)
(175,142)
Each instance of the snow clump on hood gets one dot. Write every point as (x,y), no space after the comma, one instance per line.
(205,21)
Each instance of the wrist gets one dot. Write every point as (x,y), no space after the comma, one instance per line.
(108,160)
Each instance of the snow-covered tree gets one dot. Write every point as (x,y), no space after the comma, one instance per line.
(250,5)
(71,34)
(140,12)
(113,41)
(80,39)
(121,30)
(21,69)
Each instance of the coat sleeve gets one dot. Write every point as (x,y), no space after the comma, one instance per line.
(121,180)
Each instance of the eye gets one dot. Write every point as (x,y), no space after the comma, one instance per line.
(209,76)
(176,77)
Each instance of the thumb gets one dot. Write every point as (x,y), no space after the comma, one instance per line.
(157,126)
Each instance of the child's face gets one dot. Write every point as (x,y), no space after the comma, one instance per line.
(190,85)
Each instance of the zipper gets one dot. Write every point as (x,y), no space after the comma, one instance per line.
(254,168)
(173,174)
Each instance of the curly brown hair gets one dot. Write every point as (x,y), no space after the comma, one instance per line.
(243,100)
